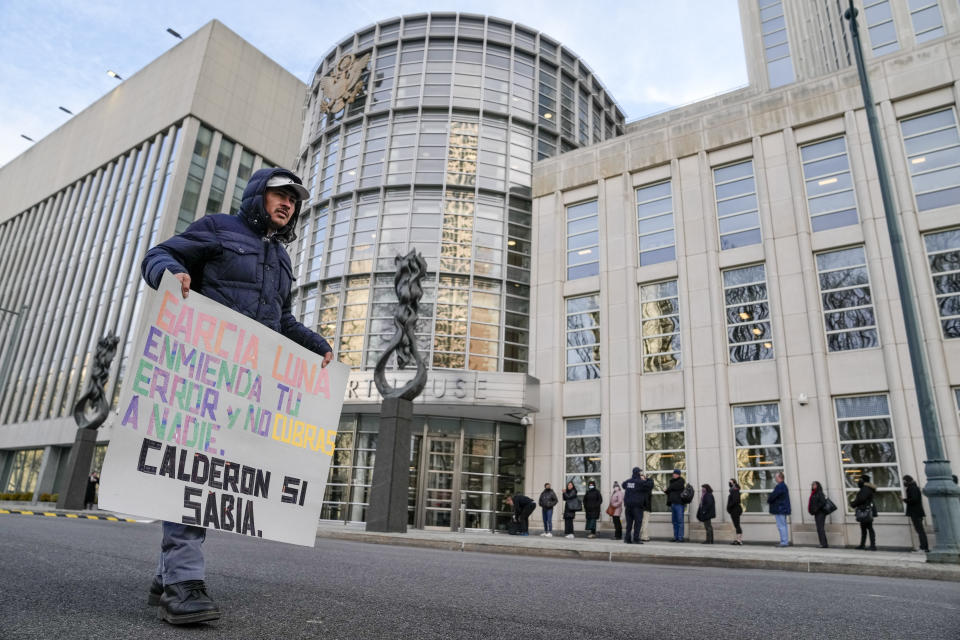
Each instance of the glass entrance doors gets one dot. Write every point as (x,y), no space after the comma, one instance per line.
(441,473)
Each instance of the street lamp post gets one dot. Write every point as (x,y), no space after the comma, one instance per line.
(943,493)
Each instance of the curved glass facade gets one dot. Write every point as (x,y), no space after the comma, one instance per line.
(436,154)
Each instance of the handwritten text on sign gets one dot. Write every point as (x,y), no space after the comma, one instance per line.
(222,422)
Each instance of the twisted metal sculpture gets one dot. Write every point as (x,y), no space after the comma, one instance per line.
(92,407)
(410,271)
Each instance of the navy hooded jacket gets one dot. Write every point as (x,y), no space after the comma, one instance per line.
(636,492)
(231,259)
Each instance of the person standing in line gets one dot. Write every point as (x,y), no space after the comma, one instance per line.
(90,495)
(571,504)
(615,509)
(675,502)
(522,508)
(779,501)
(633,492)
(817,507)
(914,502)
(239,260)
(735,509)
(707,511)
(592,501)
(864,500)
(548,500)
(646,507)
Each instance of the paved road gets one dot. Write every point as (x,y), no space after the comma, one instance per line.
(63,579)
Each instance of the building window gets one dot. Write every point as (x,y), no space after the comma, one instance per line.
(351,470)
(926,18)
(582,463)
(759,452)
(660,326)
(933,151)
(829,185)
(866,446)
(883,33)
(655,226)
(737,214)
(583,238)
(198,167)
(749,334)
(25,470)
(776,49)
(848,314)
(664,449)
(583,337)
(221,171)
(943,256)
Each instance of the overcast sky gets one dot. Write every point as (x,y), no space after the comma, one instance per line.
(650,54)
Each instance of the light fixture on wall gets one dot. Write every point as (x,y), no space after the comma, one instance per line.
(802,399)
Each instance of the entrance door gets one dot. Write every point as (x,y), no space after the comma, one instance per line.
(441,485)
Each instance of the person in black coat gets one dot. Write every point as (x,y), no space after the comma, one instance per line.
(816,506)
(864,498)
(90,495)
(522,508)
(707,511)
(914,502)
(735,509)
(592,500)
(675,502)
(571,504)
(636,497)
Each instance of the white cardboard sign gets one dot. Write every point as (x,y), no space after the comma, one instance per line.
(222,422)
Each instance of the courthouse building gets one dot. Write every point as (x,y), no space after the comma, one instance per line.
(709,289)
(714,290)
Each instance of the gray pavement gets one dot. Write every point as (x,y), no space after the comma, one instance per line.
(77,578)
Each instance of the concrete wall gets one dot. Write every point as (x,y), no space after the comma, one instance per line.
(213,74)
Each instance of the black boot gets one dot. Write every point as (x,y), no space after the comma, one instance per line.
(187,602)
(156,591)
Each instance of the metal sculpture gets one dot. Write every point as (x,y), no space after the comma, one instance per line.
(90,411)
(387,512)
(344,83)
(92,408)
(406,282)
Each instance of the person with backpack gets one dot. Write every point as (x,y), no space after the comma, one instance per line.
(571,504)
(615,510)
(675,490)
(522,508)
(735,509)
(862,505)
(707,511)
(634,489)
(779,501)
(547,501)
(914,502)
(592,501)
(817,507)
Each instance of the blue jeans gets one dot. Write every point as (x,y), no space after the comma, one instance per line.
(548,520)
(181,553)
(781,520)
(676,517)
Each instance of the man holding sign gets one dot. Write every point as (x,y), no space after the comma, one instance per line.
(239,261)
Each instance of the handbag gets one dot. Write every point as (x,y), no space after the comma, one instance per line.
(828,506)
(864,513)
(574,504)
(611,510)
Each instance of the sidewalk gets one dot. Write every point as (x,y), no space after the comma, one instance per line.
(893,564)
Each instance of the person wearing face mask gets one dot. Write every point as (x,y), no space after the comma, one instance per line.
(615,509)
(735,509)
(547,501)
(864,500)
(592,501)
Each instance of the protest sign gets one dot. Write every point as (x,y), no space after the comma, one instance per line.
(222,422)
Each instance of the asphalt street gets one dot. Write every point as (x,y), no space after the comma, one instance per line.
(62,578)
